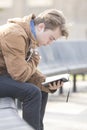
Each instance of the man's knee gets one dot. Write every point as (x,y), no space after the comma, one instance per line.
(34,92)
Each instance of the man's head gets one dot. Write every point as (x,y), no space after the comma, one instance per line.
(50,25)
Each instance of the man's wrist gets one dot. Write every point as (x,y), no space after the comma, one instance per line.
(52,91)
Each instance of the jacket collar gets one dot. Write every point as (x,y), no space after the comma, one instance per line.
(25,24)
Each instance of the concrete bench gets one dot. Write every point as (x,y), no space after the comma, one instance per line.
(64,56)
(9,117)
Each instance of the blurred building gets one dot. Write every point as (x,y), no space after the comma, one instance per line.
(74,10)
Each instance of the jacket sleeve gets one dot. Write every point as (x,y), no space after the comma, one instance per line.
(13,49)
(37,78)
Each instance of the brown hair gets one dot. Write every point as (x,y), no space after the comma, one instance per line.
(52,19)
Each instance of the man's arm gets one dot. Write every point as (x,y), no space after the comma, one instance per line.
(13,49)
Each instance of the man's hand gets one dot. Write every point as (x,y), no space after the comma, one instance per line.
(55,85)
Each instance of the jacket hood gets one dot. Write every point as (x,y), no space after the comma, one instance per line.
(25,24)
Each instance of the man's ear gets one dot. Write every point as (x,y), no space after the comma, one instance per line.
(41,27)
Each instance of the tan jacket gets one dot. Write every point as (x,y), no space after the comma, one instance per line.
(16,40)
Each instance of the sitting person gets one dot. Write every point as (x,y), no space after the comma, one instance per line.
(19,76)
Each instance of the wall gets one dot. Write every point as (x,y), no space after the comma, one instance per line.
(74,10)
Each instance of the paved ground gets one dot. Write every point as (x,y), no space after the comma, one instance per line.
(72,115)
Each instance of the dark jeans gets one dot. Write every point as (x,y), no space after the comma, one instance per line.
(34,101)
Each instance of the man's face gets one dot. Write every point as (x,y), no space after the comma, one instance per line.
(46,37)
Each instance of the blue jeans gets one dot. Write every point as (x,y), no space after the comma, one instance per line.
(34,101)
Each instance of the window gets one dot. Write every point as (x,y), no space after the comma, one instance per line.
(6,3)
(40,3)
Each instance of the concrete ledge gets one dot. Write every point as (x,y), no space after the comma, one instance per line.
(7,102)
(9,117)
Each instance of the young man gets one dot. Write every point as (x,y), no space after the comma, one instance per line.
(19,77)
